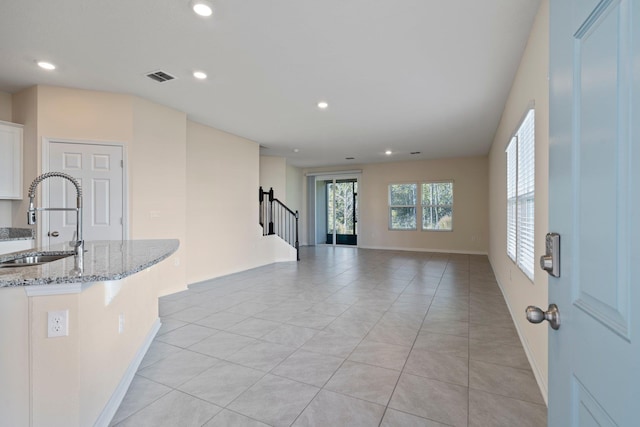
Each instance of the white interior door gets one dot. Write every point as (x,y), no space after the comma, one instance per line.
(594,179)
(99,169)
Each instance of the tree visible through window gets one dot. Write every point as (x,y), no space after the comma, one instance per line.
(437,206)
(402,206)
(341,199)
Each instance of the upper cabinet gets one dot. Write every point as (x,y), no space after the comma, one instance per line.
(10,161)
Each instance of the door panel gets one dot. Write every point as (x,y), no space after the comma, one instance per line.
(101,203)
(98,169)
(594,180)
(601,167)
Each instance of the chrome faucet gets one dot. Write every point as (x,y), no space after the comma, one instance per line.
(31,214)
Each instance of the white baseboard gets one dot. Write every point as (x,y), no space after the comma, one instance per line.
(440,251)
(118,394)
(540,379)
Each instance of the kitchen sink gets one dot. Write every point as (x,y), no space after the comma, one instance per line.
(33,259)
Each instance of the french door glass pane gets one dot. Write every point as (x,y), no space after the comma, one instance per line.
(330,208)
(344,207)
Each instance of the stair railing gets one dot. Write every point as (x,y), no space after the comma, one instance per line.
(276,218)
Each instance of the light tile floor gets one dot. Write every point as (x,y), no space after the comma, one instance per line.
(345,337)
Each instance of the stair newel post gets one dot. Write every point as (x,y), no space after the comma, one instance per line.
(297,243)
(271,231)
(261,200)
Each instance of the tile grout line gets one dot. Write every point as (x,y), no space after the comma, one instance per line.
(409,355)
(347,358)
(270,287)
(279,363)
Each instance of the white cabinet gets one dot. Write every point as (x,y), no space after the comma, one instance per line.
(10,161)
(8,246)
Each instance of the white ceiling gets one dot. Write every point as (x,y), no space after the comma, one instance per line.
(405,75)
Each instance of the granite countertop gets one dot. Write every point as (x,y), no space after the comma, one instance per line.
(10,233)
(102,261)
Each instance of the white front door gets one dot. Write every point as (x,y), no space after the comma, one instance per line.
(594,198)
(99,169)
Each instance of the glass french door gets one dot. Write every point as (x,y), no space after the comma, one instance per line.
(342,211)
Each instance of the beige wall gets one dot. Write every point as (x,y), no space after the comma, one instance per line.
(295,182)
(273,174)
(286,181)
(25,112)
(222,204)
(158,178)
(470,221)
(14,358)
(5,107)
(530,84)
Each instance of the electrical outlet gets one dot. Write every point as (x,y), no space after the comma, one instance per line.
(58,323)
(121,323)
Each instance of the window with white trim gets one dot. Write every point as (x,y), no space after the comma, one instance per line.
(437,206)
(521,195)
(402,206)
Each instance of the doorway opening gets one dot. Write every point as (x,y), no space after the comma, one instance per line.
(334,216)
(342,207)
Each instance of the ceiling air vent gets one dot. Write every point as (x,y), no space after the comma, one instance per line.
(160,76)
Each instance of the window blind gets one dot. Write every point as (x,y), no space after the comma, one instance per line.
(521,195)
(526,190)
(512,195)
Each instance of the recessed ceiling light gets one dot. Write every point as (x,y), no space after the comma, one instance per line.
(46,65)
(199,75)
(388,152)
(202,7)
(322,105)
(296,150)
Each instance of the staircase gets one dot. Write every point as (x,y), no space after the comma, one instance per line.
(278,219)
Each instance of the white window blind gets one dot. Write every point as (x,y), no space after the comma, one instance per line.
(526,189)
(521,195)
(512,195)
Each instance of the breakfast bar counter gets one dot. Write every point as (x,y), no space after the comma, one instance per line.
(102,261)
(78,326)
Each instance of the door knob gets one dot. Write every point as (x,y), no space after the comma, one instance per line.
(53,234)
(536,315)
